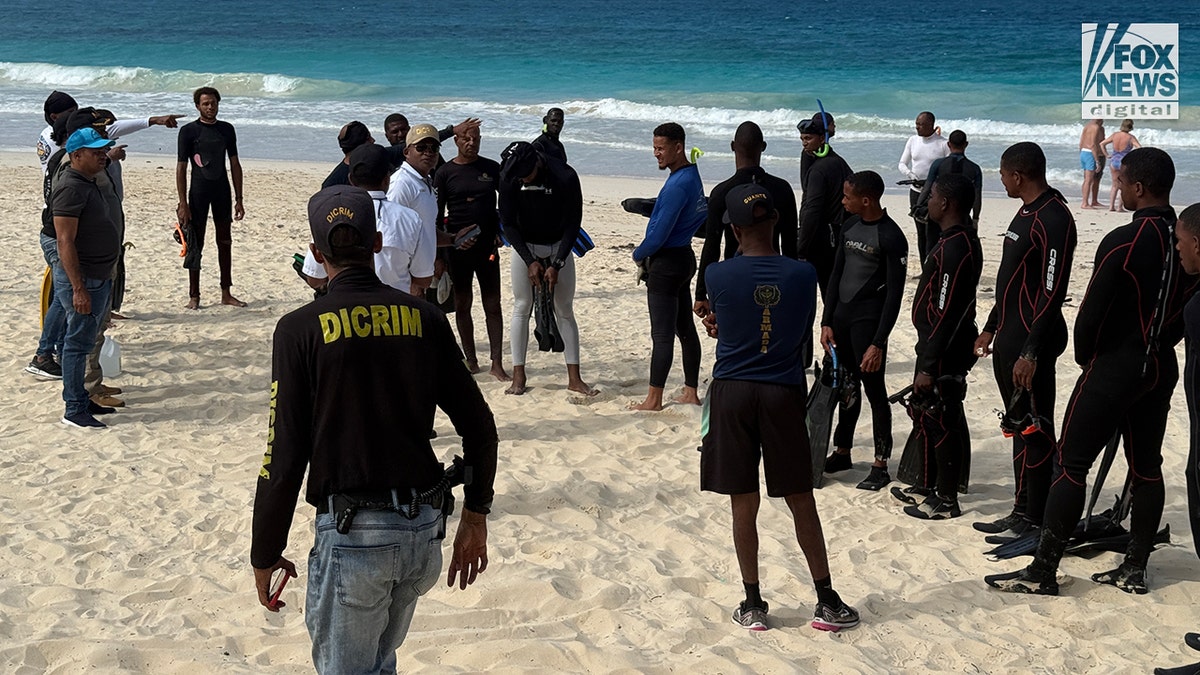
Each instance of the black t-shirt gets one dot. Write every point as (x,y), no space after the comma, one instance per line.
(339,176)
(97,241)
(466,194)
(204,146)
(547,211)
(714,229)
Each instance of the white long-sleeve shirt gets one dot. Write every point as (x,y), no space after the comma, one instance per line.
(919,154)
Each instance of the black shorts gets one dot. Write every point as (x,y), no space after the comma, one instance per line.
(744,419)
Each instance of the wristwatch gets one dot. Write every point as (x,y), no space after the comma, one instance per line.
(557,263)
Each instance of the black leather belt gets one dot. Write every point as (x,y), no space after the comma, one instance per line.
(378,500)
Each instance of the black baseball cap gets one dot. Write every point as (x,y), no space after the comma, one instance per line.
(740,202)
(353,135)
(369,163)
(518,160)
(341,206)
(57,102)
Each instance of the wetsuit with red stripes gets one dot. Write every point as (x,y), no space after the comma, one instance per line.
(944,316)
(1027,322)
(1125,334)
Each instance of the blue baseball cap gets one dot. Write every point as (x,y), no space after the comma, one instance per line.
(86,137)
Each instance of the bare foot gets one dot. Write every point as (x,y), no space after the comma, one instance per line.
(688,396)
(193,303)
(581,387)
(518,381)
(1087,206)
(228,299)
(117,315)
(473,366)
(497,371)
(649,404)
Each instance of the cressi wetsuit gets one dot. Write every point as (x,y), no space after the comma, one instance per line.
(1027,321)
(1125,334)
(944,316)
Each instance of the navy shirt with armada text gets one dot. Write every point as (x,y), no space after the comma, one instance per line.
(765,307)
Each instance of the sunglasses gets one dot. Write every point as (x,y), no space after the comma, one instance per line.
(427,148)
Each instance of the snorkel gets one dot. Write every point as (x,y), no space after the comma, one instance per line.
(824,149)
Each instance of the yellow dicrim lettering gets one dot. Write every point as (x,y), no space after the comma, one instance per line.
(357,314)
(379,321)
(411,321)
(265,471)
(330,328)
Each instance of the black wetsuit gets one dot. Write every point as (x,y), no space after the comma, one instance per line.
(339,362)
(862,303)
(944,316)
(821,213)
(1027,321)
(714,229)
(1125,334)
(204,147)
(550,146)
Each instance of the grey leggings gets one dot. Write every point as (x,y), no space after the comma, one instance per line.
(564,296)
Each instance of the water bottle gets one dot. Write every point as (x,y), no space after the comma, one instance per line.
(110,357)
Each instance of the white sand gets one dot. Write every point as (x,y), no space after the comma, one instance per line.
(127,549)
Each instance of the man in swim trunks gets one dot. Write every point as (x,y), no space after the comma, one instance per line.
(1125,335)
(466,195)
(862,304)
(765,304)
(1091,160)
(204,144)
(1029,330)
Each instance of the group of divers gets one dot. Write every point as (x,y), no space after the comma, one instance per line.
(1132,316)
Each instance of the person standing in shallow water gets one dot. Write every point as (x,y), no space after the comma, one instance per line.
(670,263)
(204,144)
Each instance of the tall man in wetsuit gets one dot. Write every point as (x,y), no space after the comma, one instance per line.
(356,376)
(747,146)
(204,144)
(667,255)
(466,194)
(765,304)
(1028,327)
(944,316)
(821,211)
(548,143)
(862,304)
(1125,335)
(541,209)
(89,243)
(920,151)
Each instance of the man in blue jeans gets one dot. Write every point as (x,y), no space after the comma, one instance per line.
(88,246)
(352,402)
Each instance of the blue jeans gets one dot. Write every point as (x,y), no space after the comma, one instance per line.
(54,325)
(363,587)
(80,335)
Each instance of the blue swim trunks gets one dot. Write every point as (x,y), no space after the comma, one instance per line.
(1087,161)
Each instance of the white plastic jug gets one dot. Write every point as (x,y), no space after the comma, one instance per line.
(110,357)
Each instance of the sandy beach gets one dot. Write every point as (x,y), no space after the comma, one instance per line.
(127,549)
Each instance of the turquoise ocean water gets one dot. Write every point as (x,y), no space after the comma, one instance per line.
(291,75)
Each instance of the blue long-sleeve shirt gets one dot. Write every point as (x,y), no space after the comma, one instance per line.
(679,212)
